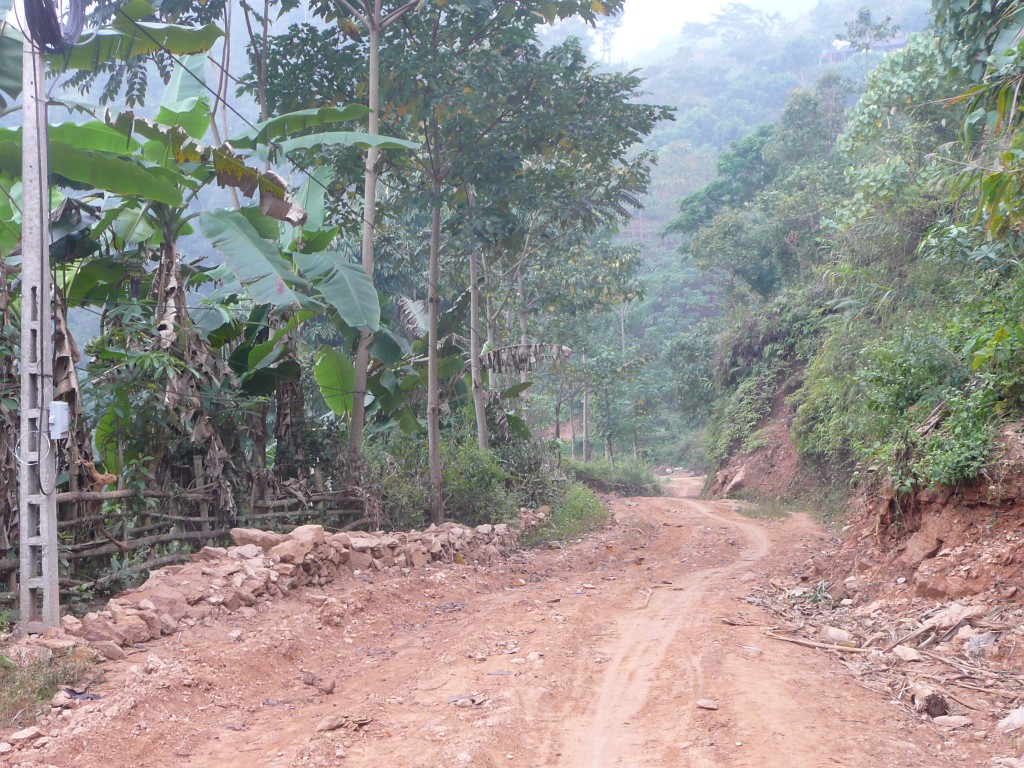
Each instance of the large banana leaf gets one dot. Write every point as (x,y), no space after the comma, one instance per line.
(136,39)
(99,170)
(336,376)
(129,37)
(10,215)
(186,101)
(310,198)
(344,286)
(10,61)
(344,139)
(295,122)
(264,274)
(388,347)
(91,135)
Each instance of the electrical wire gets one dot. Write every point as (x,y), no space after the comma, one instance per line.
(46,29)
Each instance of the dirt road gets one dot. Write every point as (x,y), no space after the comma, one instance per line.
(594,655)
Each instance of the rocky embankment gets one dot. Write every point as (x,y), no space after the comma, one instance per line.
(261,566)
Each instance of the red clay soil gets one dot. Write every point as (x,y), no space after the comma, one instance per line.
(612,651)
(964,543)
(771,471)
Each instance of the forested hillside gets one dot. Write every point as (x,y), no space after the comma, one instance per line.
(865,246)
(728,80)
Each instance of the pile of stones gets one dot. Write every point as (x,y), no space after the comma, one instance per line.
(263,565)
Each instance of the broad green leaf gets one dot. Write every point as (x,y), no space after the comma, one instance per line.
(515,390)
(213,322)
(99,170)
(310,198)
(266,277)
(136,39)
(264,354)
(519,427)
(106,432)
(265,381)
(10,216)
(388,348)
(344,286)
(407,421)
(92,135)
(10,62)
(295,122)
(314,242)
(267,227)
(335,375)
(132,227)
(343,139)
(92,282)
(186,101)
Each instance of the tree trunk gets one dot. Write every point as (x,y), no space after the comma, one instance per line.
(586,423)
(572,427)
(524,337)
(558,410)
(370,175)
(433,385)
(622,329)
(288,432)
(608,454)
(479,403)
(558,420)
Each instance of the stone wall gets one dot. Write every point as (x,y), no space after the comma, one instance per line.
(263,565)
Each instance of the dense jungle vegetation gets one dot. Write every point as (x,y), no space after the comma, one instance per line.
(431,259)
(866,248)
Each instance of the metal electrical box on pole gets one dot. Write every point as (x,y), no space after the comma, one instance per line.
(37,456)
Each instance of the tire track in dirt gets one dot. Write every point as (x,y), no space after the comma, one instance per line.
(612,732)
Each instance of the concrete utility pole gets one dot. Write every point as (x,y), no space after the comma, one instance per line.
(37,470)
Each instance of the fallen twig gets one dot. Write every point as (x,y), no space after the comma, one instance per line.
(907,638)
(436,687)
(814,644)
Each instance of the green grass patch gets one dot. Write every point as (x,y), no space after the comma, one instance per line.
(823,502)
(623,478)
(25,690)
(770,509)
(578,513)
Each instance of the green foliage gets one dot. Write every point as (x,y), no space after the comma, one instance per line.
(395,477)
(737,415)
(907,86)
(962,446)
(475,489)
(532,475)
(743,170)
(25,690)
(689,450)
(957,451)
(624,477)
(863,31)
(479,486)
(690,356)
(576,514)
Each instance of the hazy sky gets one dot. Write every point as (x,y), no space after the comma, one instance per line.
(645,23)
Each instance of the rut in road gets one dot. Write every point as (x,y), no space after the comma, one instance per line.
(611,731)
